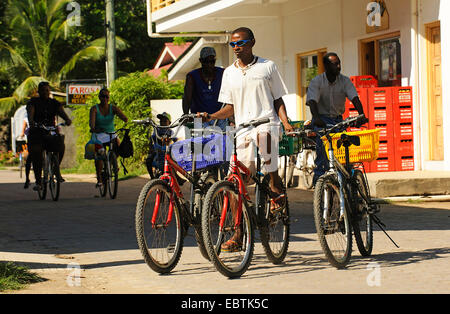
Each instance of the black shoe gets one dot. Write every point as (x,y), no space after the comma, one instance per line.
(27,184)
(61,179)
(37,187)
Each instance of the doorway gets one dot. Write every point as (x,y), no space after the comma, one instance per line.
(381,57)
(309,65)
(435,118)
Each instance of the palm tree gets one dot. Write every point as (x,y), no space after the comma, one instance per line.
(29,56)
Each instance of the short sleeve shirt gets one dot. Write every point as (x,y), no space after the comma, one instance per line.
(331,97)
(253,91)
(45,111)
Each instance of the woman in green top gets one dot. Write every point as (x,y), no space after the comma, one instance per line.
(101,120)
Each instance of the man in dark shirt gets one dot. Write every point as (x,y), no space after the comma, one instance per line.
(43,110)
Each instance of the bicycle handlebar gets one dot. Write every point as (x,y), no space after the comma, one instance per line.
(50,128)
(351,121)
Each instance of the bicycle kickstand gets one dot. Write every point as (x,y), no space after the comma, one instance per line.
(382,226)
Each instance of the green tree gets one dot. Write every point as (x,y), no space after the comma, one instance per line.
(29,55)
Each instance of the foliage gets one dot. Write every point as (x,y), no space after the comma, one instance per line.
(14,277)
(9,159)
(34,50)
(132,94)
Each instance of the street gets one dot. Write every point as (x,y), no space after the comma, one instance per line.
(86,244)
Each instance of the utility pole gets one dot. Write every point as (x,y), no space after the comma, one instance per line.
(111,62)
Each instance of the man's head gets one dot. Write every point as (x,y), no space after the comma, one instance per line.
(242,42)
(332,63)
(103,95)
(44,90)
(208,57)
(164,118)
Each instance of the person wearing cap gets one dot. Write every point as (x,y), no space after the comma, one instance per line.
(43,110)
(101,120)
(202,87)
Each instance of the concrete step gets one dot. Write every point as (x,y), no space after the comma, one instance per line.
(403,183)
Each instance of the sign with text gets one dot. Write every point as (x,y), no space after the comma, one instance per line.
(78,94)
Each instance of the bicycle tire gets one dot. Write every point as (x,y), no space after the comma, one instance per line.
(20,164)
(209,179)
(308,171)
(362,219)
(334,229)
(290,170)
(231,264)
(274,227)
(103,188)
(113,175)
(42,192)
(53,182)
(162,256)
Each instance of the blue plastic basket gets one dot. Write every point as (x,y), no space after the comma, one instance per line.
(181,152)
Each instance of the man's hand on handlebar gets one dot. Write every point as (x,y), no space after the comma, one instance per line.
(319,123)
(205,116)
(361,122)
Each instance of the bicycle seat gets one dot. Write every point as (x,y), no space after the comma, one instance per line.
(348,140)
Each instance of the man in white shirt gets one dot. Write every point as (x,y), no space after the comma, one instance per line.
(326,97)
(252,89)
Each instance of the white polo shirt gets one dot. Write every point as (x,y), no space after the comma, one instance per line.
(252,91)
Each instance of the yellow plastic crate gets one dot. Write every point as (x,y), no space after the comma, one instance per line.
(366,152)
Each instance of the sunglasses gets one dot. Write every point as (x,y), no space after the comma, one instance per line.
(239,43)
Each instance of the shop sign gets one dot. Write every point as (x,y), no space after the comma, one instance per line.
(78,94)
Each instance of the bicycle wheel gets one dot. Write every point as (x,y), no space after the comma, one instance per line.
(362,219)
(53,170)
(290,170)
(159,227)
(20,164)
(209,179)
(220,225)
(42,192)
(273,226)
(308,168)
(113,175)
(333,228)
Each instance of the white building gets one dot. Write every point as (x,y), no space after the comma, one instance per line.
(295,33)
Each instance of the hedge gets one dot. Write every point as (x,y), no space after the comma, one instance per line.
(132,94)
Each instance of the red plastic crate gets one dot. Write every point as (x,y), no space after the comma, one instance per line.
(405,163)
(403,114)
(402,96)
(404,131)
(383,164)
(350,110)
(386,130)
(386,148)
(364,81)
(380,105)
(404,148)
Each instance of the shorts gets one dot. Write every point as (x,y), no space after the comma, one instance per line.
(104,137)
(246,147)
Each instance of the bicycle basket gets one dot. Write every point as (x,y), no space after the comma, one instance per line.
(209,151)
(366,152)
(291,145)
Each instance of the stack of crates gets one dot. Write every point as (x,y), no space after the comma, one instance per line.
(389,109)
(381,117)
(403,130)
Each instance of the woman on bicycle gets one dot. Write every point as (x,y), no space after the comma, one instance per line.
(101,121)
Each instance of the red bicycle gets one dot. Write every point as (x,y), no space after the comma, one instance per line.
(229,218)
(163,216)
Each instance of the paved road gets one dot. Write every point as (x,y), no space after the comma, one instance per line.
(92,237)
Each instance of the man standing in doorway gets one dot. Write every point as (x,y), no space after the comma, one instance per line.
(326,97)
